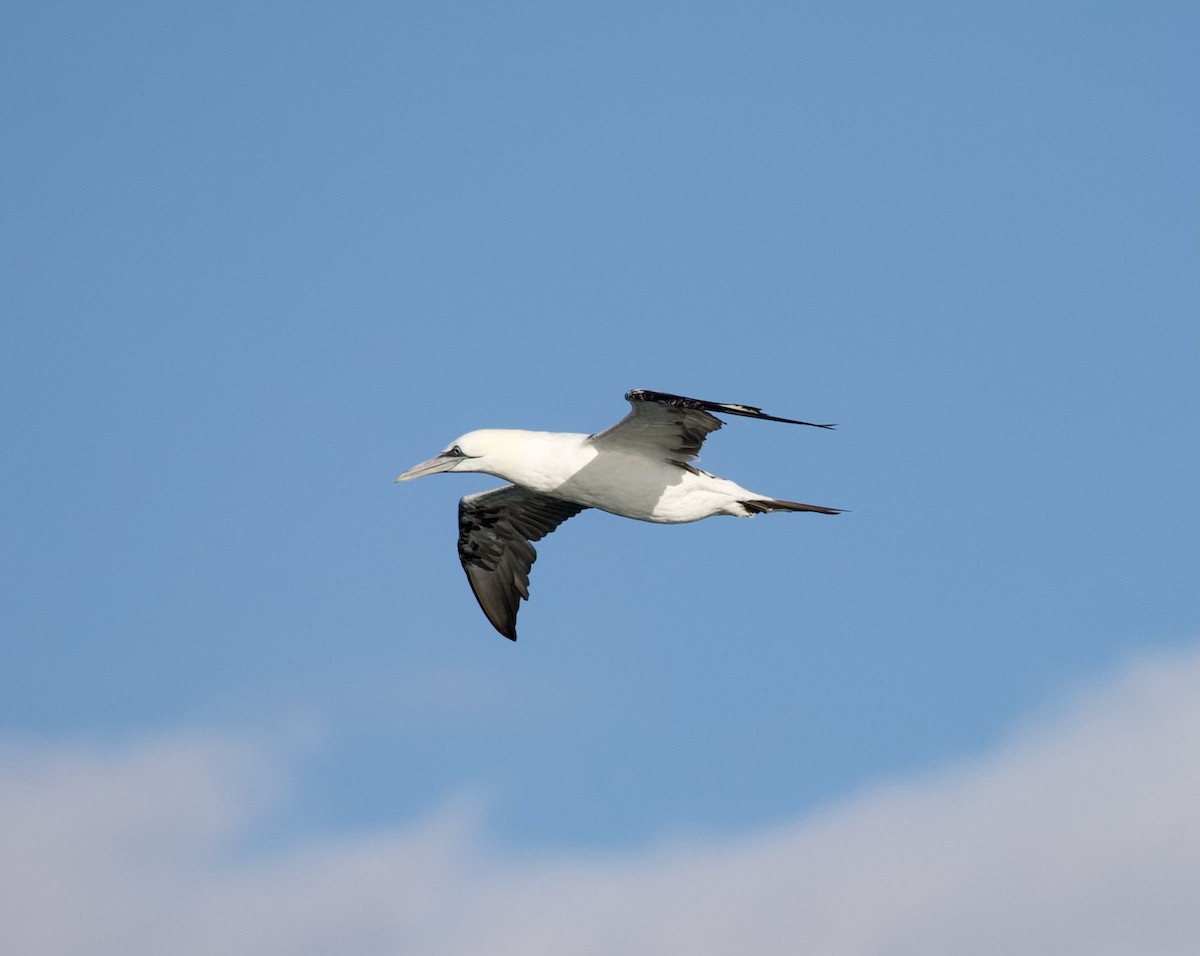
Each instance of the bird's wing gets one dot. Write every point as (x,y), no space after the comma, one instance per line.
(494,531)
(673,424)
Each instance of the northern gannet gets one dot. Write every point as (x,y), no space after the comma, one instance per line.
(639,468)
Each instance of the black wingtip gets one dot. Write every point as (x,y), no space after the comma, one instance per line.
(503,628)
(699,404)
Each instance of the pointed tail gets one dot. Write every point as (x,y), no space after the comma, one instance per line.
(757,506)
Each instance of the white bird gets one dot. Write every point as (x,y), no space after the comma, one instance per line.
(639,468)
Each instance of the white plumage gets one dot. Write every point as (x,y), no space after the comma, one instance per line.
(639,468)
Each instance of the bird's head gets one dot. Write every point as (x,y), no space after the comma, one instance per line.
(474,451)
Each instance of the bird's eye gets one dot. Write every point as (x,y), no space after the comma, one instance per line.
(455,452)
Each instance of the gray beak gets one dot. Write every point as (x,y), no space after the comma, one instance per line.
(431,467)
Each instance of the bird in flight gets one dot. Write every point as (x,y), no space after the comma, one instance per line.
(639,468)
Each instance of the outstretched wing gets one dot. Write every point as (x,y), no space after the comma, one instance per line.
(673,424)
(494,531)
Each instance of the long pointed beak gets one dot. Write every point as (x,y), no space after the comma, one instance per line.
(431,467)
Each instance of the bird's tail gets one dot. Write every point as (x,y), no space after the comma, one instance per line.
(757,506)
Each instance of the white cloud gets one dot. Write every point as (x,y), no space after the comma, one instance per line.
(1079,835)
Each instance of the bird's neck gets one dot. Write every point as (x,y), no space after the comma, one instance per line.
(540,461)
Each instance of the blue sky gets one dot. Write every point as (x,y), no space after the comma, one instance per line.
(262,257)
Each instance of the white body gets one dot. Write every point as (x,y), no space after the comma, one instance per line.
(623,482)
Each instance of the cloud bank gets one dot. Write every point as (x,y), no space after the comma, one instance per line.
(1077,835)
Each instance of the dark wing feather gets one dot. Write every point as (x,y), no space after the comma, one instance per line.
(675,424)
(494,531)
